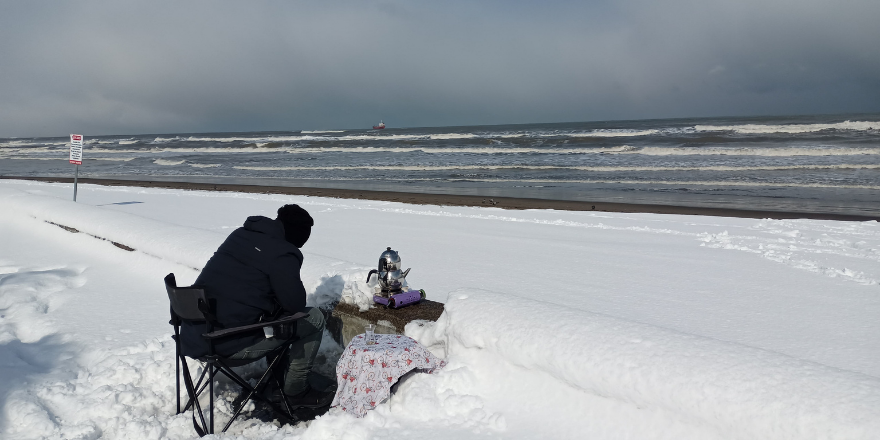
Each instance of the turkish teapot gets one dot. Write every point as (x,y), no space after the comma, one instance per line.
(389,275)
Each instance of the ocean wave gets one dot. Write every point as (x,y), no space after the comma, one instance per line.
(254,139)
(716,183)
(161,140)
(380,136)
(450,136)
(33,158)
(32,150)
(204,165)
(186,150)
(374,137)
(65,158)
(308,136)
(651,182)
(113,151)
(125,141)
(756,151)
(30,144)
(230,150)
(168,162)
(606,133)
(696,183)
(330,149)
(558,167)
(791,128)
(351,137)
(454,136)
(463,150)
(112,159)
(255,148)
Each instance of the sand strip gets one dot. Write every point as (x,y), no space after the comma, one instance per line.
(461,200)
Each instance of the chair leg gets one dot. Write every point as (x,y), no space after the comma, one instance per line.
(200,386)
(177,377)
(284,397)
(211,394)
(252,391)
(279,382)
(177,365)
(194,398)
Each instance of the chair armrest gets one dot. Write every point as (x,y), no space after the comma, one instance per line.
(249,328)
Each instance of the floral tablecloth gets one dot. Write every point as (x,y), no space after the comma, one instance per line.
(365,373)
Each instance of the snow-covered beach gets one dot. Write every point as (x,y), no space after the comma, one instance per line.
(557,324)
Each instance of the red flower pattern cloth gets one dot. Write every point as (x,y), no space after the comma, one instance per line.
(365,373)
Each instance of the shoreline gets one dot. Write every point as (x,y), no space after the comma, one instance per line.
(462,200)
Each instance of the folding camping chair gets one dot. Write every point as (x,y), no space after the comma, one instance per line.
(189,304)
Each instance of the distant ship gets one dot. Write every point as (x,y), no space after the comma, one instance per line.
(380,126)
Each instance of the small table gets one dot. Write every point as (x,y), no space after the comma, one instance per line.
(365,373)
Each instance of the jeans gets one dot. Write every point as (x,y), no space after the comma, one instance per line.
(309,330)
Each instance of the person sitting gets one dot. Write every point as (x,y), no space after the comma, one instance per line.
(255,277)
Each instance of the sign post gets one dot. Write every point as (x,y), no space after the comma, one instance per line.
(76,156)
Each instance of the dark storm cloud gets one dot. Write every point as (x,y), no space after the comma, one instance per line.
(140,67)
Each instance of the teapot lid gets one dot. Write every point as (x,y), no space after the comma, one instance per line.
(389,260)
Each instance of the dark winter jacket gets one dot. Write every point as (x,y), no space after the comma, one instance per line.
(252,273)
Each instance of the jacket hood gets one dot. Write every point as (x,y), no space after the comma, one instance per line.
(265,225)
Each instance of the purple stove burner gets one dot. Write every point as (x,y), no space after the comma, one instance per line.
(401,299)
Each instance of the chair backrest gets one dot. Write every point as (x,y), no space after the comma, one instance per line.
(188,303)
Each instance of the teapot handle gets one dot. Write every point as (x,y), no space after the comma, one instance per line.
(374,271)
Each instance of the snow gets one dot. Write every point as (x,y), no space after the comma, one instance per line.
(557,324)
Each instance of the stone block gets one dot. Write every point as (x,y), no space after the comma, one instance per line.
(345,321)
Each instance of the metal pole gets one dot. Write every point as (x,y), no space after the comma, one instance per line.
(75,178)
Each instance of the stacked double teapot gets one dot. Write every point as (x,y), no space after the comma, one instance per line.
(393,291)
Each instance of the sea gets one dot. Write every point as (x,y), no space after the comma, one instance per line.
(817,164)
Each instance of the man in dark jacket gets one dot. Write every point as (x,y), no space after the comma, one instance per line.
(255,275)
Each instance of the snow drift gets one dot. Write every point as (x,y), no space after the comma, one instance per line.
(730,390)
(517,367)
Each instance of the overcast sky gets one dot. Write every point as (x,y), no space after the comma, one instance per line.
(130,67)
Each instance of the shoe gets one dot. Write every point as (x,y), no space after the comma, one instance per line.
(311,398)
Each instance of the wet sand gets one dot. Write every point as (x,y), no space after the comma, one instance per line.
(461,200)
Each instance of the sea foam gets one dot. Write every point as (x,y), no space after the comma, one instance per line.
(791,128)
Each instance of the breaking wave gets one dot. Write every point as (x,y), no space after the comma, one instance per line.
(757,151)
(63,159)
(608,133)
(113,159)
(309,136)
(791,128)
(205,165)
(168,162)
(331,149)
